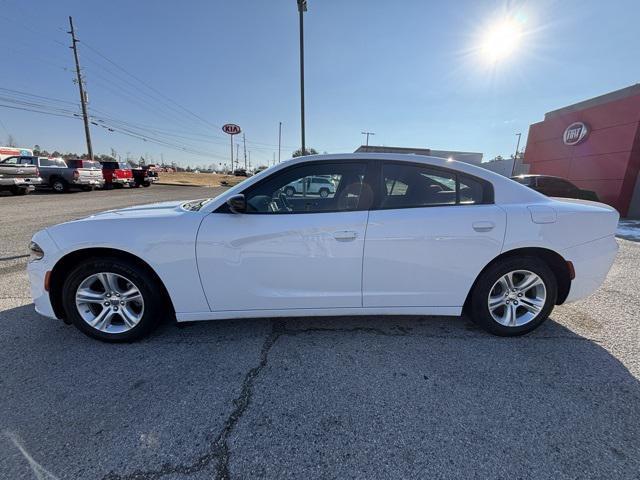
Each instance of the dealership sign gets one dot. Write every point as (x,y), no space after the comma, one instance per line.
(231,129)
(575,133)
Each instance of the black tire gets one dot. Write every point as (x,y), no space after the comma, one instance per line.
(59,185)
(19,191)
(155,306)
(146,184)
(117,185)
(479,308)
(289,191)
(324,192)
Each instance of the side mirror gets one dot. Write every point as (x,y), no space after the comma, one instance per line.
(237,203)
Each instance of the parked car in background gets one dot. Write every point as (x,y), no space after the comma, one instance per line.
(17,176)
(240,172)
(90,173)
(311,186)
(144,176)
(62,175)
(402,235)
(555,187)
(116,174)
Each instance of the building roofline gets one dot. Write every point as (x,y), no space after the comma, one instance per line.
(599,100)
(363,148)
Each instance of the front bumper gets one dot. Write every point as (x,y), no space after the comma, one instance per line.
(37,272)
(592,262)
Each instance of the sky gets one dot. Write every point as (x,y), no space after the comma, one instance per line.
(164,76)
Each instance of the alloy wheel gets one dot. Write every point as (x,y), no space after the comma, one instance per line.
(109,302)
(517,298)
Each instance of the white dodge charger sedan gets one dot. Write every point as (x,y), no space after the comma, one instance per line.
(399,235)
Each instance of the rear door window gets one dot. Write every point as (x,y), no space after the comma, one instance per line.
(407,185)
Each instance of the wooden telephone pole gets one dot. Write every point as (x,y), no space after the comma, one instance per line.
(83,94)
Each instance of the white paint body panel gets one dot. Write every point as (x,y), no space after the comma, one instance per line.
(405,261)
(428,256)
(265,262)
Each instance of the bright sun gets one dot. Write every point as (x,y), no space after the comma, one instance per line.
(501,40)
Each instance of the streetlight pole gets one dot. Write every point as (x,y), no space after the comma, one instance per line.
(367,134)
(279,140)
(515,157)
(302,7)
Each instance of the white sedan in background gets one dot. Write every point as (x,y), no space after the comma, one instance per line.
(401,235)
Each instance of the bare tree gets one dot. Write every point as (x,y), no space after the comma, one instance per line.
(11,141)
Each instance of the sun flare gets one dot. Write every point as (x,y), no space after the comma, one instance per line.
(501,40)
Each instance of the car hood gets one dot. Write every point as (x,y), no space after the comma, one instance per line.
(153,207)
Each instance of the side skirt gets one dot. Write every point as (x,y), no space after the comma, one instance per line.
(318,312)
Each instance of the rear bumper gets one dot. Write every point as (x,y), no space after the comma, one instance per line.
(592,262)
(20,182)
(123,181)
(89,182)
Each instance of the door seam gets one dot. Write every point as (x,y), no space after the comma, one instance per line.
(364,243)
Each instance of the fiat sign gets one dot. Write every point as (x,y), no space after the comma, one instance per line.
(231,129)
(575,133)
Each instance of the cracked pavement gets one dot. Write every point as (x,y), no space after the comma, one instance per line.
(347,397)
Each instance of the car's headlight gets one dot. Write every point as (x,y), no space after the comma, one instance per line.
(35,252)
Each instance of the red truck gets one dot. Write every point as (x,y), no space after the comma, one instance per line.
(116,174)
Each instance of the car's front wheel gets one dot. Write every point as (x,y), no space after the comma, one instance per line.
(112,300)
(514,297)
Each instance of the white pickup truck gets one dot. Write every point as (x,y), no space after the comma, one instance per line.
(16,177)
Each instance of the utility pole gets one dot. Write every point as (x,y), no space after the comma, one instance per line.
(279,140)
(244,144)
(515,157)
(237,155)
(302,7)
(83,95)
(367,134)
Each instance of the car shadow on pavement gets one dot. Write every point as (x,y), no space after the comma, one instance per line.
(330,397)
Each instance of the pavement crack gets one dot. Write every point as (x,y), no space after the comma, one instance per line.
(242,402)
(219,448)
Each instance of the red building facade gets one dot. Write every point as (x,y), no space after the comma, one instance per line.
(595,144)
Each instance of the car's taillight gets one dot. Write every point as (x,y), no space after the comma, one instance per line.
(37,172)
(76,174)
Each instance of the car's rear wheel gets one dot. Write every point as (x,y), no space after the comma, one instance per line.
(112,300)
(514,297)
(19,191)
(324,192)
(59,185)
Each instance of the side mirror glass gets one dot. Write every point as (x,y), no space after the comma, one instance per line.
(237,203)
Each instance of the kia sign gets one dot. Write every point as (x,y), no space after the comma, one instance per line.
(575,133)
(231,129)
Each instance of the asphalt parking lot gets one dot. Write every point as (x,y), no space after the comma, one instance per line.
(402,397)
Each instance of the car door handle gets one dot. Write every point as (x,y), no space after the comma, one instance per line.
(345,235)
(483,226)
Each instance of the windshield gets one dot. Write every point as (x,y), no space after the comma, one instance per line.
(198,204)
